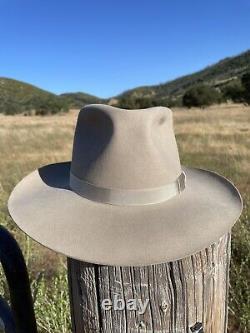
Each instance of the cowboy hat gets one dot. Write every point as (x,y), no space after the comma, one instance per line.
(124,199)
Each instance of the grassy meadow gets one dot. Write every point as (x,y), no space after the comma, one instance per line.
(217,138)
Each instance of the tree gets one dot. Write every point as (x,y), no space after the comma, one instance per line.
(233,92)
(11,108)
(50,105)
(137,102)
(245,80)
(201,96)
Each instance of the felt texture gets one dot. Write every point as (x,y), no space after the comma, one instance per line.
(124,149)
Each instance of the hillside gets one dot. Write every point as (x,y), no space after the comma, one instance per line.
(79,99)
(219,74)
(19,97)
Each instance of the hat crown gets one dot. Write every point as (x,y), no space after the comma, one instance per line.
(125,149)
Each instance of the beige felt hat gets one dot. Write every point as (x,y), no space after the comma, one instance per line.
(124,199)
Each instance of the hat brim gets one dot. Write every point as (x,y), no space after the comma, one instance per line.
(45,208)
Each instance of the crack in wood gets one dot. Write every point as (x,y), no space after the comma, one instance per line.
(190,290)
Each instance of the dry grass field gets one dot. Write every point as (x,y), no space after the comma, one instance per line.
(217,138)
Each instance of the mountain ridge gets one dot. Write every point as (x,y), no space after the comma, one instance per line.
(21,97)
(218,74)
(17,96)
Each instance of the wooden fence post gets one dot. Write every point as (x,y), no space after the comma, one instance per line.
(188,295)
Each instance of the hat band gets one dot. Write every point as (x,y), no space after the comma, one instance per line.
(127,197)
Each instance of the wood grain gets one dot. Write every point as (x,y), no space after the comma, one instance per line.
(188,295)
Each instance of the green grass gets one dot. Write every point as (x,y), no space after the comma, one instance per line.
(52,303)
(239,309)
(211,139)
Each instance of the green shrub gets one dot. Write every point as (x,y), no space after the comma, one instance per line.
(201,96)
(233,92)
(49,105)
(147,102)
(246,85)
(136,103)
(11,108)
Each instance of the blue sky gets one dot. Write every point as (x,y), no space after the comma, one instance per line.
(106,47)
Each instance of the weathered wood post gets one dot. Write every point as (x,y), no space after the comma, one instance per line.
(188,295)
